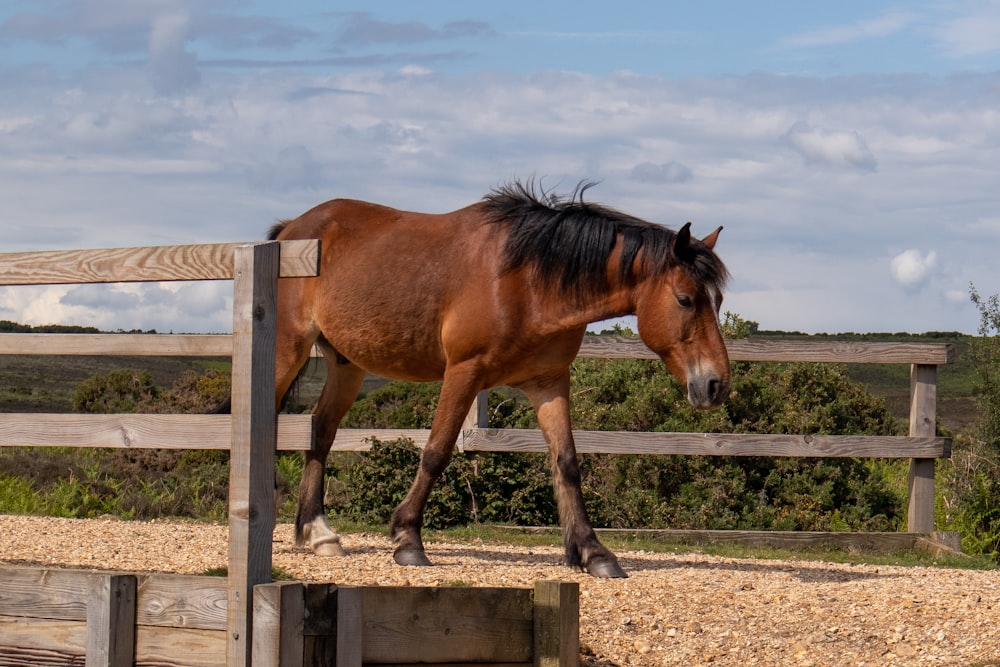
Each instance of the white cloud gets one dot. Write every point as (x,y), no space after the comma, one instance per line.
(835,147)
(975,32)
(880,26)
(911,268)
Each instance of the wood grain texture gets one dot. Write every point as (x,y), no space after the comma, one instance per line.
(173,647)
(557,624)
(42,639)
(52,594)
(254,437)
(445,625)
(294,432)
(111,620)
(138,345)
(923,422)
(714,444)
(181,601)
(211,261)
(750,349)
(278,620)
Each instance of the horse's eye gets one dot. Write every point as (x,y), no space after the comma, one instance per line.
(684,301)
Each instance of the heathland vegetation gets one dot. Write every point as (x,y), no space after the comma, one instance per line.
(760,493)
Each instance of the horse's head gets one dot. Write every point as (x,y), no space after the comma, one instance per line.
(678,317)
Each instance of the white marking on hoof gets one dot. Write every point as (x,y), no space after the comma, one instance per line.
(320,538)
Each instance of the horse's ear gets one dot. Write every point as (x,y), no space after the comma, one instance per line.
(712,238)
(682,242)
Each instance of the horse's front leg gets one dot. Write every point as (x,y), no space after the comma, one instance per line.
(312,530)
(584,551)
(458,391)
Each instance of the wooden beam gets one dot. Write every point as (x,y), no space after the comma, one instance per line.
(350,628)
(111,620)
(556,624)
(278,619)
(211,261)
(404,624)
(750,349)
(714,444)
(295,432)
(138,345)
(254,434)
(923,423)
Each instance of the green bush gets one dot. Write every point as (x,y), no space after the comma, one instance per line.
(122,390)
(650,491)
(971,501)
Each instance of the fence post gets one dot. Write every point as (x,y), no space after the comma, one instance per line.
(478,417)
(557,624)
(278,617)
(254,419)
(923,422)
(111,620)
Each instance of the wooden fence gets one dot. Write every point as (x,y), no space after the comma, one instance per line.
(253,431)
(112,619)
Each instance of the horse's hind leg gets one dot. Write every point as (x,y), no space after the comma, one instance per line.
(458,390)
(583,550)
(343,381)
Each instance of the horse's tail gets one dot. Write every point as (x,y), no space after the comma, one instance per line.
(276,229)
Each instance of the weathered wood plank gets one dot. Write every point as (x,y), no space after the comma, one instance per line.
(210,261)
(220,345)
(557,624)
(138,345)
(295,433)
(278,620)
(923,422)
(66,638)
(173,647)
(181,601)
(750,349)
(42,593)
(350,629)
(359,439)
(714,444)
(444,625)
(111,620)
(140,431)
(27,657)
(254,434)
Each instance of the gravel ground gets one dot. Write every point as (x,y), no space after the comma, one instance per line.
(672,610)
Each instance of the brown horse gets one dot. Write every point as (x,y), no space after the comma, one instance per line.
(497,293)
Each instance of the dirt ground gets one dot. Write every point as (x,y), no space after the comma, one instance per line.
(672,610)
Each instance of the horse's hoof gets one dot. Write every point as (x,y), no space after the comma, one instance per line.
(606,569)
(330,549)
(411,557)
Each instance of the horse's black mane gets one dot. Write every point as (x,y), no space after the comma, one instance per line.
(568,241)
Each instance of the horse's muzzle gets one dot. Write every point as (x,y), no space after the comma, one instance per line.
(708,391)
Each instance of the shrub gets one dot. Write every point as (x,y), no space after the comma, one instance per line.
(971,503)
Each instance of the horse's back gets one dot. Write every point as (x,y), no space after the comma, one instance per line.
(388,281)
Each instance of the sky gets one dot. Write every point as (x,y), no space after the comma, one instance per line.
(851,150)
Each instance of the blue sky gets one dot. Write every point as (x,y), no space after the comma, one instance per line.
(851,149)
